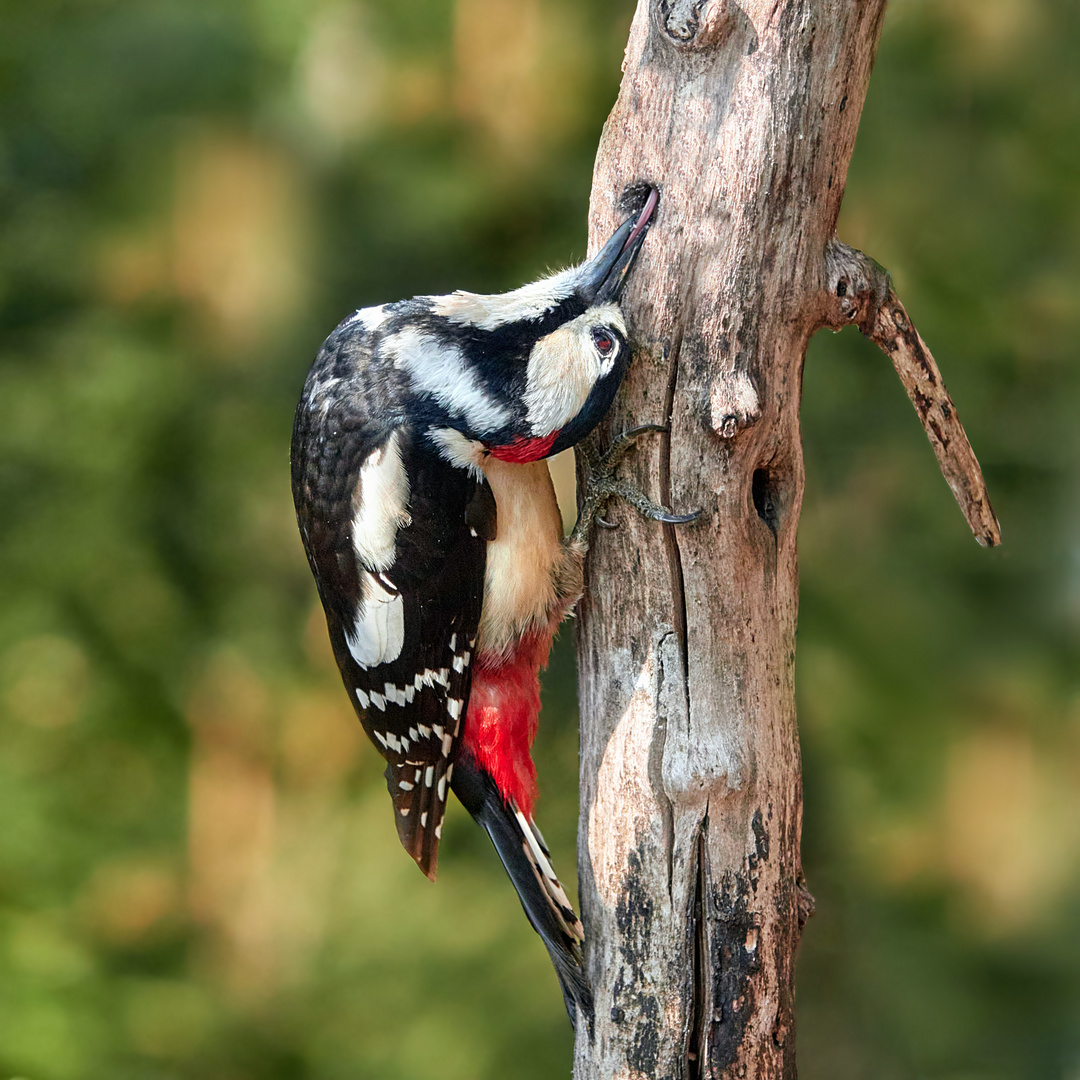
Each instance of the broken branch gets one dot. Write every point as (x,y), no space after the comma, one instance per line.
(861,293)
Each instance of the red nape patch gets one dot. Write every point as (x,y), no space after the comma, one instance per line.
(522,449)
(500,723)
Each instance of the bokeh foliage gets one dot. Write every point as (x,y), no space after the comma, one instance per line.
(198,873)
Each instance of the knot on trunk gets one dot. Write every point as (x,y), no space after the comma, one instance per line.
(695,24)
(733,403)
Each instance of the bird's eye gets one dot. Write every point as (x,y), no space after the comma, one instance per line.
(604,341)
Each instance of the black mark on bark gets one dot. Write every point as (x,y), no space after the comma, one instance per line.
(735,961)
(761,840)
(634,915)
(697,1046)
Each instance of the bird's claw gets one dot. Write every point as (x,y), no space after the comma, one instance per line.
(601,485)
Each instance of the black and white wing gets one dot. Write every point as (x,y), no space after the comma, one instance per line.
(396,538)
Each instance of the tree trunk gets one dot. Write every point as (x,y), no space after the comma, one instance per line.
(744,116)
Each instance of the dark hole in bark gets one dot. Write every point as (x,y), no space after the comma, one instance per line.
(634,196)
(841,288)
(766,493)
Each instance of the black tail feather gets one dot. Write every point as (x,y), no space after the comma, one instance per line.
(525,859)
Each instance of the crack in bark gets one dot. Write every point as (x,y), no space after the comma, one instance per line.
(671,539)
(656,766)
(671,352)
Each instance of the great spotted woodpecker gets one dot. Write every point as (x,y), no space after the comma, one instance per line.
(432,530)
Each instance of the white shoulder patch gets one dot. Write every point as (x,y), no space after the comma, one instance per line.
(380,502)
(379,631)
(370,318)
(460,451)
(439,369)
(490,312)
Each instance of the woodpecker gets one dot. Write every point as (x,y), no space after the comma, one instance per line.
(430,524)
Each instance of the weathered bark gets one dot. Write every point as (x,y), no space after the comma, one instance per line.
(744,116)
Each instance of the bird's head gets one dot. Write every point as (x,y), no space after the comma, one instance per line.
(526,373)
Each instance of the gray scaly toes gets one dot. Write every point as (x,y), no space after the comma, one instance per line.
(602,485)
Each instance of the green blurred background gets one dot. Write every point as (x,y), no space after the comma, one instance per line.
(198,873)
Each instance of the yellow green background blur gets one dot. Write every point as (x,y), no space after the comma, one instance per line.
(199,877)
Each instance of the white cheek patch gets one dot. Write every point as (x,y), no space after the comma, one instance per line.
(379,631)
(563,368)
(559,379)
(381,502)
(439,369)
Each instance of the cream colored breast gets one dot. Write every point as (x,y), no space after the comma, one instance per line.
(519,587)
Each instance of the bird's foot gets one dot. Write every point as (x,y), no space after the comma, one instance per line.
(602,485)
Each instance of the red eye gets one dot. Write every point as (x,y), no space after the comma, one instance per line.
(603,341)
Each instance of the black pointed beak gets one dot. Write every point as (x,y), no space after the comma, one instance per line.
(603,277)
